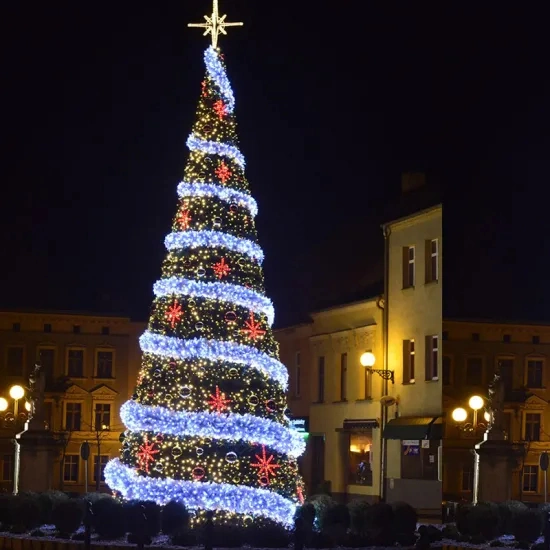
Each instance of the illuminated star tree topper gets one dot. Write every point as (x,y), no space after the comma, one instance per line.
(215,25)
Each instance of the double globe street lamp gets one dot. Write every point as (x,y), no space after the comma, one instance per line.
(460,415)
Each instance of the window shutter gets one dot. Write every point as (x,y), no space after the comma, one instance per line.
(406,359)
(428,357)
(405,261)
(428,261)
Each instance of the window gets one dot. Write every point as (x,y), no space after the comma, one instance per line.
(343,376)
(368,384)
(103,459)
(506,338)
(408,361)
(532,426)
(432,264)
(432,357)
(408,266)
(474,371)
(446,370)
(7,467)
(475,336)
(75,363)
(535,373)
(530,478)
(360,458)
(76,329)
(419,459)
(536,339)
(70,468)
(321,379)
(467,482)
(507,424)
(46,357)
(298,367)
(47,327)
(16,327)
(104,364)
(506,369)
(102,416)
(105,331)
(47,414)
(73,415)
(14,361)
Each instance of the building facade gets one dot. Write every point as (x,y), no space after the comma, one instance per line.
(90,364)
(375,431)
(472,352)
(413,303)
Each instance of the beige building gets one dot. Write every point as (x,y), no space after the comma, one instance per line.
(472,351)
(413,430)
(91,364)
(375,432)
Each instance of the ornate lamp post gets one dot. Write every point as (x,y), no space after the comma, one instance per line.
(368,360)
(461,416)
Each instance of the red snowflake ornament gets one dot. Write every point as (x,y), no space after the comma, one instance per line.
(203,91)
(184,219)
(253,328)
(221,269)
(223,172)
(174,313)
(220,108)
(300,494)
(218,402)
(146,454)
(266,466)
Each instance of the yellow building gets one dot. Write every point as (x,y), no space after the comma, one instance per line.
(413,304)
(91,364)
(351,405)
(339,398)
(472,352)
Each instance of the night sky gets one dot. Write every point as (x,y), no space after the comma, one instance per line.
(332,106)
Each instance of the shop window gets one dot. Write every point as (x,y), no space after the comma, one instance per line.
(360,459)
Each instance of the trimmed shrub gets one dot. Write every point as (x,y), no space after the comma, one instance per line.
(228,536)
(185,537)
(336,522)
(67,517)
(108,519)
(321,503)
(527,526)
(508,511)
(268,535)
(483,520)
(7,508)
(174,517)
(405,518)
(27,513)
(134,512)
(380,525)
(450,532)
(358,515)
(48,501)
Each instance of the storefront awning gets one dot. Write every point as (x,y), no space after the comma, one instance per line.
(414,427)
(359,425)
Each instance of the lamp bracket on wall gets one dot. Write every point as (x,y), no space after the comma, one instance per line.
(385,374)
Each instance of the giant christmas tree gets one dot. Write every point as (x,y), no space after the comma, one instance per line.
(207,424)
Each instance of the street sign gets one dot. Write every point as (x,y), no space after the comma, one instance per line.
(85,451)
(543,461)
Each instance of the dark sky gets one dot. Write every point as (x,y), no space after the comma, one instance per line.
(332,105)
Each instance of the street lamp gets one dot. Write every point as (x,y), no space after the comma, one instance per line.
(368,360)
(16,393)
(460,415)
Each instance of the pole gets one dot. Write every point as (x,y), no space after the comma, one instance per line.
(545,486)
(86,477)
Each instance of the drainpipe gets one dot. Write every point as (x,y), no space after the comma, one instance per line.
(385,340)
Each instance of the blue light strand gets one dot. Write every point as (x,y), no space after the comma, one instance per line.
(217,73)
(214,350)
(195,143)
(232,426)
(213,239)
(238,499)
(224,292)
(226,194)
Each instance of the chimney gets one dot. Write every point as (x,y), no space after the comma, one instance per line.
(411,181)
